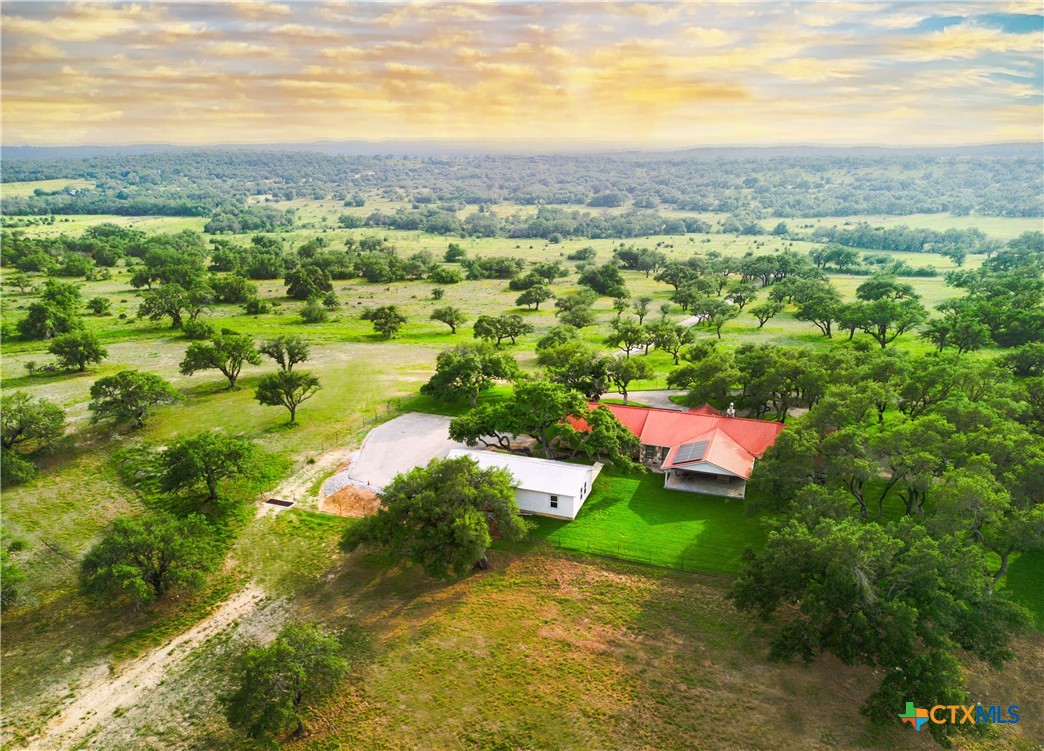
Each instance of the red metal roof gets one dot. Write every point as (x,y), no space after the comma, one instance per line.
(705,409)
(734,441)
(721,451)
(668,427)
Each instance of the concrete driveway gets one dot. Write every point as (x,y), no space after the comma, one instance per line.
(399,445)
(658,399)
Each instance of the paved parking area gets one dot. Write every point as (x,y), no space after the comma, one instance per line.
(399,445)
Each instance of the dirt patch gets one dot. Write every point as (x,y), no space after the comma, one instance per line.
(351,501)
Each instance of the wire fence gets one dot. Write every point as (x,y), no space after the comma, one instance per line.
(347,435)
(380,412)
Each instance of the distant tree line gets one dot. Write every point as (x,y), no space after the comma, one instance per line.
(196,183)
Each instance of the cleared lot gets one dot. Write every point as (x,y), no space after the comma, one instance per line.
(399,445)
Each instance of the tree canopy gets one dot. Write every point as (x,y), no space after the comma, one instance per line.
(129,396)
(387,320)
(286,350)
(227,352)
(273,685)
(144,557)
(28,421)
(464,372)
(206,459)
(544,411)
(287,388)
(439,516)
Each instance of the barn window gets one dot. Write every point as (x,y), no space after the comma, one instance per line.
(554,501)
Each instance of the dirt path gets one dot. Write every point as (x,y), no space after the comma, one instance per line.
(100,693)
(297,487)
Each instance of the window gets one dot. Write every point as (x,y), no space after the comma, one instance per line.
(650,451)
(554,501)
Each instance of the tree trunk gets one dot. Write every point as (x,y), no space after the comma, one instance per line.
(880,501)
(483,564)
(300,730)
(474,399)
(1004,565)
(293,413)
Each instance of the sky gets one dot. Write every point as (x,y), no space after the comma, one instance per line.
(653,74)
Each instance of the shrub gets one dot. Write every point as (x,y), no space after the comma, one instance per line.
(14,470)
(314,312)
(99,305)
(443,275)
(256,306)
(198,330)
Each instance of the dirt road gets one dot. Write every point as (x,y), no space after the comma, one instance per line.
(101,693)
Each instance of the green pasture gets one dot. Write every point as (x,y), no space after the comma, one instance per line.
(999,227)
(76,224)
(22,189)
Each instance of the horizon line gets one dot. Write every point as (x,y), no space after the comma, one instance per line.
(517,143)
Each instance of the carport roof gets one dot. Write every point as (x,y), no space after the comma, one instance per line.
(540,475)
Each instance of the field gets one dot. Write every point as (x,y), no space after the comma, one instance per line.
(587,651)
(27,188)
(548,650)
(999,227)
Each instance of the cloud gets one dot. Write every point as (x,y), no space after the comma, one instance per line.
(241,50)
(303,33)
(654,13)
(964,41)
(83,22)
(660,71)
(254,10)
(709,37)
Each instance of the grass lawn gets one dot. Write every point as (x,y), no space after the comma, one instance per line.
(634,518)
(1024,578)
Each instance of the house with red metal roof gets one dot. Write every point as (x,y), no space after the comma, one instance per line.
(698,451)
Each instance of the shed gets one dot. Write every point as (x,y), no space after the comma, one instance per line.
(542,486)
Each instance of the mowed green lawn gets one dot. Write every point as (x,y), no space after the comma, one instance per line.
(633,518)
(1023,582)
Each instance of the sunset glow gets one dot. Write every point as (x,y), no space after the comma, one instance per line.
(649,74)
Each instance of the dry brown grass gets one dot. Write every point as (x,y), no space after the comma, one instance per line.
(550,652)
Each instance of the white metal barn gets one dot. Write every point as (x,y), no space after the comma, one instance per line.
(542,486)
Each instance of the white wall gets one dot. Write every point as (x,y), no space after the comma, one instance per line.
(540,503)
(535,502)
